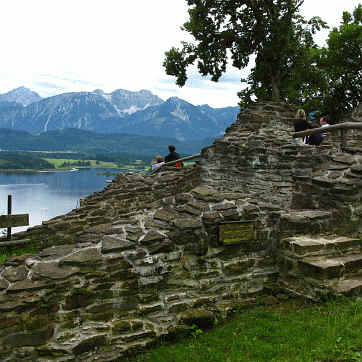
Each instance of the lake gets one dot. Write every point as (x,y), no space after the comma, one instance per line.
(44,195)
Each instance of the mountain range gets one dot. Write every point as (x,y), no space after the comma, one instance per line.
(121,111)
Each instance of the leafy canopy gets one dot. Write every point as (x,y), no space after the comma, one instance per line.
(341,63)
(233,30)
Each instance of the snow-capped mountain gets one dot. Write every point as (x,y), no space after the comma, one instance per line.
(180,119)
(122,111)
(82,110)
(20,95)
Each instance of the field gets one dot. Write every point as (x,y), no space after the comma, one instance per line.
(69,163)
(291,331)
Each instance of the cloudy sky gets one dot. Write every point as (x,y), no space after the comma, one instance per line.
(56,46)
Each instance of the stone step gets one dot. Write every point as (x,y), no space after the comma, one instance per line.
(305,245)
(348,287)
(305,221)
(328,268)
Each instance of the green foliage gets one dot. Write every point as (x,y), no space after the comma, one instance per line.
(341,64)
(28,249)
(291,331)
(288,64)
(14,160)
(196,331)
(272,30)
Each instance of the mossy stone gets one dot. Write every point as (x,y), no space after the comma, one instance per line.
(78,299)
(89,344)
(34,338)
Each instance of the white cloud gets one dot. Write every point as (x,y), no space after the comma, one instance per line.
(65,45)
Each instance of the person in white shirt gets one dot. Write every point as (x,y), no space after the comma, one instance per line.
(157,163)
(324,123)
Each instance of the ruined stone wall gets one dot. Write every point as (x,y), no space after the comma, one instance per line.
(143,258)
(127,193)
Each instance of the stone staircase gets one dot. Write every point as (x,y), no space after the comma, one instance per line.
(318,266)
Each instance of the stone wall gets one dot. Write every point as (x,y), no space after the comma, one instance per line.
(127,193)
(143,258)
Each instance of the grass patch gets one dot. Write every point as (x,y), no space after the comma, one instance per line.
(58,162)
(28,249)
(287,332)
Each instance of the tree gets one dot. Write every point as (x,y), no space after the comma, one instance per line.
(341,64)
(234,30)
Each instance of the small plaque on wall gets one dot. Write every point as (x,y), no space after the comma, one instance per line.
(237,232)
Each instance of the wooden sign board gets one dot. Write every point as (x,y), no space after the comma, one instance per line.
(8,221)
(236,232)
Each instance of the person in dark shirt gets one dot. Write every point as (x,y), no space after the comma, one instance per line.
(301,124)
(173,155)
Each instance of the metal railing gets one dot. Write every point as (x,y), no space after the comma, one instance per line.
(171,163)
(342,127)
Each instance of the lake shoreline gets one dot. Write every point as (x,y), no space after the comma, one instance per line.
(71,169)
(45,195)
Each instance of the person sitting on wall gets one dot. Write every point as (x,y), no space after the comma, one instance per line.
(173,156)
(157,163)
(318,138)
(301,124)
(324,121)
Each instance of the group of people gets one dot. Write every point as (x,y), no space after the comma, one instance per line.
(301,124)
(172,156)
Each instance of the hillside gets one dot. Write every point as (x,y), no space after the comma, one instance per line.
(87,141)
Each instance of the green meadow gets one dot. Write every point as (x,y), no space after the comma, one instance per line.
(292,331)
(69,163)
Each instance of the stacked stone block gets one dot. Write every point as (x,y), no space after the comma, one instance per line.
(143,258)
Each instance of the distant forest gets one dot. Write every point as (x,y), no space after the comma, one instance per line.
(76,140)
(21,161)
(74,144)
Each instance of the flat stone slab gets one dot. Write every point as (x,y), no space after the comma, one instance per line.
(306,243)
(151,237)
(343,158)
(55,252)
(84,256)
(14,274)
(187,223)
(206,194)
(114,242)
(15,243)
(3,284)
(26,285)
(324,263)
(301,217)
(52,270)
(351,286)
(327,268)
(34,338)
(165,215)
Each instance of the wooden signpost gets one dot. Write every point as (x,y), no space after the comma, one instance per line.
(8,221)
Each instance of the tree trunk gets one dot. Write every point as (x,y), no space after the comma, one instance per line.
(275,87)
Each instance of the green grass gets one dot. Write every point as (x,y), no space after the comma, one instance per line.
(57,162)
(28,249)
(286,332)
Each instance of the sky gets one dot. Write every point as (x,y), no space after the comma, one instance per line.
(57,46)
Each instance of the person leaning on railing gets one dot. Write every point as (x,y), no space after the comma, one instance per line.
(173,156)
(157,163)
(301,124)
